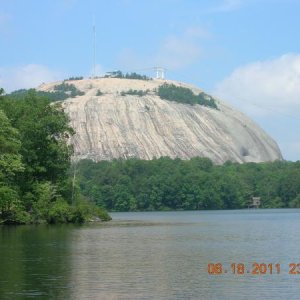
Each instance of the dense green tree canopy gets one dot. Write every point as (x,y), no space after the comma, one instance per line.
(164,184)
(181,94)
(10,166)
(34,161)
(61,92)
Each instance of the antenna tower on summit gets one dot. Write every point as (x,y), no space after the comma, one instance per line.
(94,48)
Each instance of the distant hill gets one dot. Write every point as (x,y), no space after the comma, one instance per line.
(124,118)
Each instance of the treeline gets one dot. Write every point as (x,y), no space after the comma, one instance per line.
(133,75)
(74,78)
(68,90)
(166,184)
(34,161)
(61,92)
(180,94)
(53,96)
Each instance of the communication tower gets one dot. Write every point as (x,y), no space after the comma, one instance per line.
(94,48)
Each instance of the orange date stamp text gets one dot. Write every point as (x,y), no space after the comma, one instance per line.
(252,268)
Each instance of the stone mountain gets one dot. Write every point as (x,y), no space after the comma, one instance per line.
(124,118)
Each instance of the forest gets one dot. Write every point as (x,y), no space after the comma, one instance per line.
(175,184)
(34,161)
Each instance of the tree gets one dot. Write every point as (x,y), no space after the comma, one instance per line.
(295,203)
(34,161)
(44,129)
(10,144)
(10,166)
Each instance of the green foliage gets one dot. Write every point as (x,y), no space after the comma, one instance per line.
(10,144)
(34,160)
(9,136)
(44,194)
(164,184)
(61,92)
(295,203)
(70,90)
(102,214)
(52,96)
(136,76)
(43,129)
(99,93)
(51,207)
(139,93)
(10,166)
(85,210)
(11,208)
(9,204)
(74,78)
(59,212)
(180,94)
(133,75)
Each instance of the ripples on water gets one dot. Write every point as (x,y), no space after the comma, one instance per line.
(153,255)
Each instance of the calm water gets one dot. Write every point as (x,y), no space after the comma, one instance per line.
(153,255)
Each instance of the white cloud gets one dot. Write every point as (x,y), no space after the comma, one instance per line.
(175,51)
(269,92)
(28,76)
(265,87)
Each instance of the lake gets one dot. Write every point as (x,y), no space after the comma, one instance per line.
(156,255)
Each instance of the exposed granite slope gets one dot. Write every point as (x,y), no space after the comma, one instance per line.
(115,126)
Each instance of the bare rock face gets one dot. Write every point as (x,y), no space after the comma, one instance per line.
(113,125)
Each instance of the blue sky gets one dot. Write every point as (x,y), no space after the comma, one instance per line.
(246,52)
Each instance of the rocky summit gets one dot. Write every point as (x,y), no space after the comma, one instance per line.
(125,118)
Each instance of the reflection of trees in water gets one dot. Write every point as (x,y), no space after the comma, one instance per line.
(34,262)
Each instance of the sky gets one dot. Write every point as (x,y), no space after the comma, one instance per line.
(246,52)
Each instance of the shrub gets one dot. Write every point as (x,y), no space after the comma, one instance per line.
(60,212)
(11,210)
(139,93)
(87,211)
(99,93)
(69,90)
(74,78)
(295,203)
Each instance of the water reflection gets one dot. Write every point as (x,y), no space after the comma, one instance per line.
(152,256)
(34,262)
(165,255)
